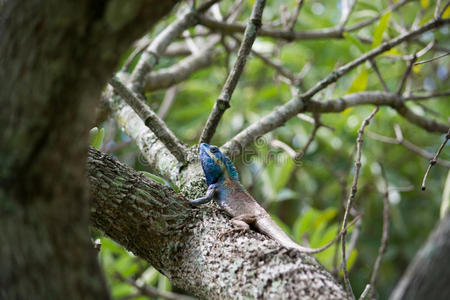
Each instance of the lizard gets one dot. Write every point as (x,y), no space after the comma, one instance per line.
(225,188)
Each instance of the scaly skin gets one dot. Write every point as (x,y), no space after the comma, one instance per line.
(224,187)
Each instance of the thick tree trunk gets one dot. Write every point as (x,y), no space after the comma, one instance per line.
(55,58)
(184,243)
(428,276)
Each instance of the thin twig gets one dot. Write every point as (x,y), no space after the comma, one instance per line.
(140,46)
(380,77)
(390,8)
(434,160)
(223,102)
(289,35)
(181,71)
(406,74)
(431,59)
(150,57)
(275,64)
(151,291)
(436,10)
(294,17)
(151,120)
(428,96)
(317,125)
(167,102)
(347,8)
(385,233)
(365,292)
(351,197)
(408,145)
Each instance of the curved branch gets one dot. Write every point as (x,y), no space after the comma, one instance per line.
(293,107)
(183,243)
(223,102)
(151,120)
(176,73)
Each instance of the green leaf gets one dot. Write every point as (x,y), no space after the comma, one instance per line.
(325,216)
(97,137)
(360,82)
(281,224)
(355,41)
(283,173)
(380,29)
(425,3)
(154,177)
(304,222)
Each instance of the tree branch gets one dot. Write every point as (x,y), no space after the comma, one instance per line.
(155,223)
(434,159)
(151,120)
(223,102)
(290,35)
(399,140)
(352,194)
(292,108)
(181,71)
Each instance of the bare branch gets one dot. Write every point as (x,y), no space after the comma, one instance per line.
(385,233)
(317,125)
(428,96)
(167,102)
(431,59)
(151,120)
(411,61)
(399,140)
(365,292)
(427,124)
(347,8)
(151,291)
(353,190)
(380,77)
(294,106)
(223,102)
(362,24)
(290,35)
(151,55)
(275,64)
(179,72)
(294,17)
(434,159)
(230,28)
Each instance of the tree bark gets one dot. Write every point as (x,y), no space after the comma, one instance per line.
(55,57)
(428,275)
(185,243)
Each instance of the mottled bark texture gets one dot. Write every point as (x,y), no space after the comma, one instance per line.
(185,243)
(428,276)
(55,58)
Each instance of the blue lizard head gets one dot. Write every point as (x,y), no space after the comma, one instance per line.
(216,165)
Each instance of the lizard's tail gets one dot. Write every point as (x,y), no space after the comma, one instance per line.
(270,228)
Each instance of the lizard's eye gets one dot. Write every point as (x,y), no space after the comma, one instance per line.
(214,149)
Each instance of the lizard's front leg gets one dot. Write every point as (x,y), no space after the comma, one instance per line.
(208,197)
